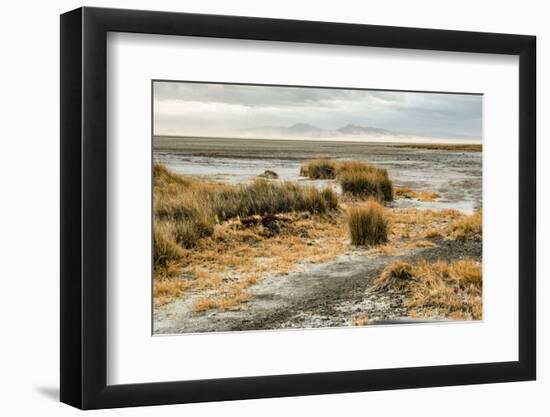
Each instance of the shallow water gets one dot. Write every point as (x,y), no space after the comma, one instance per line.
(455,175)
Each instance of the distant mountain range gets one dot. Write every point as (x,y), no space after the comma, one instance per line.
(305,130)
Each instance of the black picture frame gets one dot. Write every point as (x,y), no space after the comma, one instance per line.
(84,207)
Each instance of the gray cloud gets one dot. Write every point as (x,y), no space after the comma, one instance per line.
(214,109)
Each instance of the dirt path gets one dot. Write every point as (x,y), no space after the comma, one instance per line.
(323,295)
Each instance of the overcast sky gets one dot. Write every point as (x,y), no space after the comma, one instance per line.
(190,109)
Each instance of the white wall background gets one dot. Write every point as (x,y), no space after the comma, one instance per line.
(29,213)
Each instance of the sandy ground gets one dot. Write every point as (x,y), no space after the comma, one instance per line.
(322,295)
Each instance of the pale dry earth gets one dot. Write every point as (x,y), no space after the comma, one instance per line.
(330,294)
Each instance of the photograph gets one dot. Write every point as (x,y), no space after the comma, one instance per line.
(298,207)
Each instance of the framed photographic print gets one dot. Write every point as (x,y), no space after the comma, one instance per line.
(258,207)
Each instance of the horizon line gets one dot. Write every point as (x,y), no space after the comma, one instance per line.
(428,140)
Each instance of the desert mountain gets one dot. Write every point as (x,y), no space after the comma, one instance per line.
(305,130)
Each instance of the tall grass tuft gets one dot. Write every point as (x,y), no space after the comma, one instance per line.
(264,197)
(396,277)
(386,185)
(165,248)
(355,177)
(368,224)
(319,169)
(186,211)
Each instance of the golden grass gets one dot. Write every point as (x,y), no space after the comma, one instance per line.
(396,276)
(432,234)
(167,249)
(359,178)
(415,223)
(405,192)
(186,211)
(319,169)
(165,290)
(238,237)
(361,320)
(428,196)
(467,226)
(192,215)
(238,255)
(367,224)
(233,299)
(355,177)
(163,177)
(443,147)
(437,289)
(367,184)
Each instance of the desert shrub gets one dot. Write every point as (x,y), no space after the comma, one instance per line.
(353,166)
(319,201)
(165,247)
(360,183)
(368,224)
(355,177)
(386,185)
(396,276)
(188,232)
(319,169)
(262,197)
(330,198)
(178,206)
(369,183)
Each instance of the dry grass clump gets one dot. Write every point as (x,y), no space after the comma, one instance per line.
(186,211)
(355,177)
(319,169)
(467,226)
(361,179)
(396,276)
(367,184)
(368,224)
(405,192)
(263,197)
(166,249)
(449,289)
